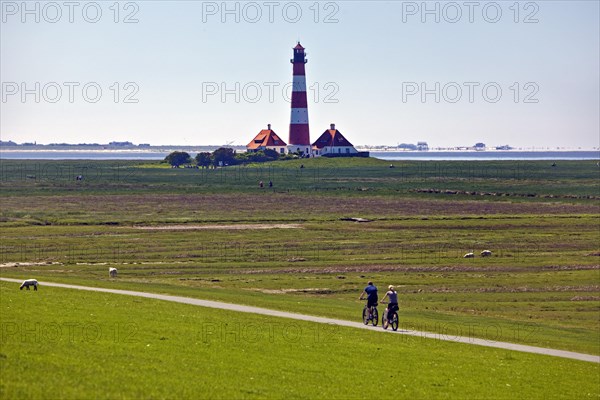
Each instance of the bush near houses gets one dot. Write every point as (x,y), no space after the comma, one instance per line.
(178,158)
(224,156)
(203,159)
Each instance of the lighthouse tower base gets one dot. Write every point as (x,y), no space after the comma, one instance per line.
(305,150)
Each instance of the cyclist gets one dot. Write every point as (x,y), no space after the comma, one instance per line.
(371,292)
(393,303)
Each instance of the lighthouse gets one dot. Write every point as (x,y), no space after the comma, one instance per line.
(299,132)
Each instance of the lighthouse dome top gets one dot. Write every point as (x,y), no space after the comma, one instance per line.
(298,47)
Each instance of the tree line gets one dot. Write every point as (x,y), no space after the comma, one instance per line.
(225,156)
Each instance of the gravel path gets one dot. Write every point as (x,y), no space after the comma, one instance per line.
(323,320)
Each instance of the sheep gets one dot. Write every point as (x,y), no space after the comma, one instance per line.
(112,272)
(469,255)
(29,282)
(486,253)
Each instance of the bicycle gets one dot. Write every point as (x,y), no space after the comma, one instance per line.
(393,322)
(372,317)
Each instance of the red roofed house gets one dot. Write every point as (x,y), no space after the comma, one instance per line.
(267,139)
(332,142)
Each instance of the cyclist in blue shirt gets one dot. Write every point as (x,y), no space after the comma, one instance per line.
(371,292)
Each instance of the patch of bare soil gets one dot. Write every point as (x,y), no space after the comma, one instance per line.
(284,291)
(513,289)
(586,298)
(421,269)
(225,227)
(506,194)
(240,205)
(26,264)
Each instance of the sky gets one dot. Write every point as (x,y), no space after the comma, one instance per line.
(190,72)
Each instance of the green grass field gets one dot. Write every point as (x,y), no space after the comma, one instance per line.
(72,344)
(214,234)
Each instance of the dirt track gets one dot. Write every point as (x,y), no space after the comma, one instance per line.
(322,320)
(226,227)
(282,204)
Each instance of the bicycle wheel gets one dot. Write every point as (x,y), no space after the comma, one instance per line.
(375,319)
(384,321)
(365,316)
(395,321)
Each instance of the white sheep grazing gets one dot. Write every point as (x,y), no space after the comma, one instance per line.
(469,255)
(112,272)
(486,253)
(29,282)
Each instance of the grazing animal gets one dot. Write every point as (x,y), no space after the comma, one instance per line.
(29,282)
(112,272)
(469,255)
(486,253)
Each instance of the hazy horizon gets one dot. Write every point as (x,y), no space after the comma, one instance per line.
(459,147)
(524,74)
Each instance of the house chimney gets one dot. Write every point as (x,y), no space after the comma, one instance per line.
(332,126)
(269,126)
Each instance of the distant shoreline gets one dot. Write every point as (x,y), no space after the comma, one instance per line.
(163,149)
(431,155)
(157,149)
(490,150)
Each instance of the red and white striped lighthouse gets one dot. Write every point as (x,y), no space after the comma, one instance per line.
(299,132)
